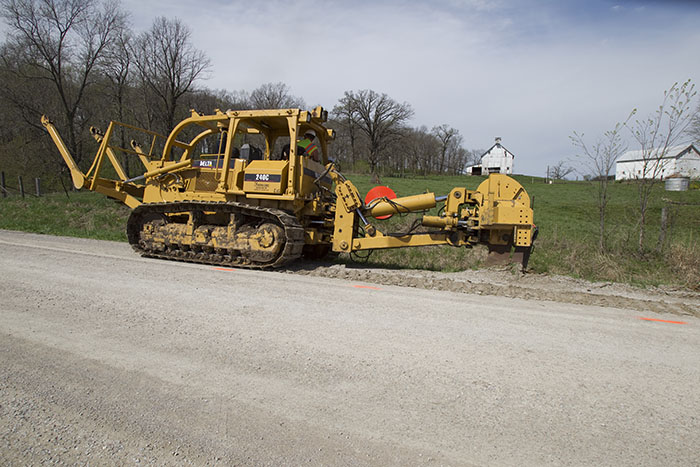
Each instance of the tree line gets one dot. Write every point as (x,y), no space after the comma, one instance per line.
(81,63)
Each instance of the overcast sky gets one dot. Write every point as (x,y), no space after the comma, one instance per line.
(529,71)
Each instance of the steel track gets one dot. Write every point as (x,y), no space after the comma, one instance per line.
(292,250)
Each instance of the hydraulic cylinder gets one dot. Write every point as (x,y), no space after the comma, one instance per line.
(403,205)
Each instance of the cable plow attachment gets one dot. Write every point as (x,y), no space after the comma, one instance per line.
(497,214)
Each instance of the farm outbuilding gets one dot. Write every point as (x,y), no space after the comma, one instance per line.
(497,160)
(683,161)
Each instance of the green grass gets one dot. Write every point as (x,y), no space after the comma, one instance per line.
(566,213)
(568,216)
(82,214)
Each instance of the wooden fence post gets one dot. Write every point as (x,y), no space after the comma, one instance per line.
(37,185)
(3,187)
(667,214)
(21,186)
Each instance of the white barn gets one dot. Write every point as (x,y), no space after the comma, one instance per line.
(494,161)
(681,161)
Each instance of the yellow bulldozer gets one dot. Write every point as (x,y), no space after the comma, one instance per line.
(241,189)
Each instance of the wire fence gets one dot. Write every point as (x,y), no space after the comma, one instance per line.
(19,190)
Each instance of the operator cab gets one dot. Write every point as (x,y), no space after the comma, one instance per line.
(255,152)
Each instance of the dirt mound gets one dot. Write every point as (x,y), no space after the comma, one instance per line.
(509,282)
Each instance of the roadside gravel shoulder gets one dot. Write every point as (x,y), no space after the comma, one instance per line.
(503,282)
(507,282)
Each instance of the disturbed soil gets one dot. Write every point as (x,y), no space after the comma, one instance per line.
(509,281)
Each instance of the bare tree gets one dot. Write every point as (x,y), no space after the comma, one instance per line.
(348,141)
(453,157)
(423,149)
(379,117)
(239,100)
(61,42)
(446,135)
(656,135)
(275,96)
(599,161)
(347,118)
(169,65)
(694,128)
(410,153)
(560,170)
(461,159)
(118,71)
(207,100)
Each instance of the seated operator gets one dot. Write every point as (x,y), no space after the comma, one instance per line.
(284,155)
(308,147)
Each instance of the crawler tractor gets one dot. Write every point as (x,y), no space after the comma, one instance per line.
(235,189)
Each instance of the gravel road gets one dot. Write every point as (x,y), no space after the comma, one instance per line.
(109,358)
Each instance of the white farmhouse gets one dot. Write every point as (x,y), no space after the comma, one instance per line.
(681,161)
(494,161)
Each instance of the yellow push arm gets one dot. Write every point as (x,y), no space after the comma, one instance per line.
(76,174)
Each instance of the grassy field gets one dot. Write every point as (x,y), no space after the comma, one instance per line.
(566,213)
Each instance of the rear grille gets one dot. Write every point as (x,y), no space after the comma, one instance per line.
(206,181)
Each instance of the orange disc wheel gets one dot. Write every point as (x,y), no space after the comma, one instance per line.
(380,192)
